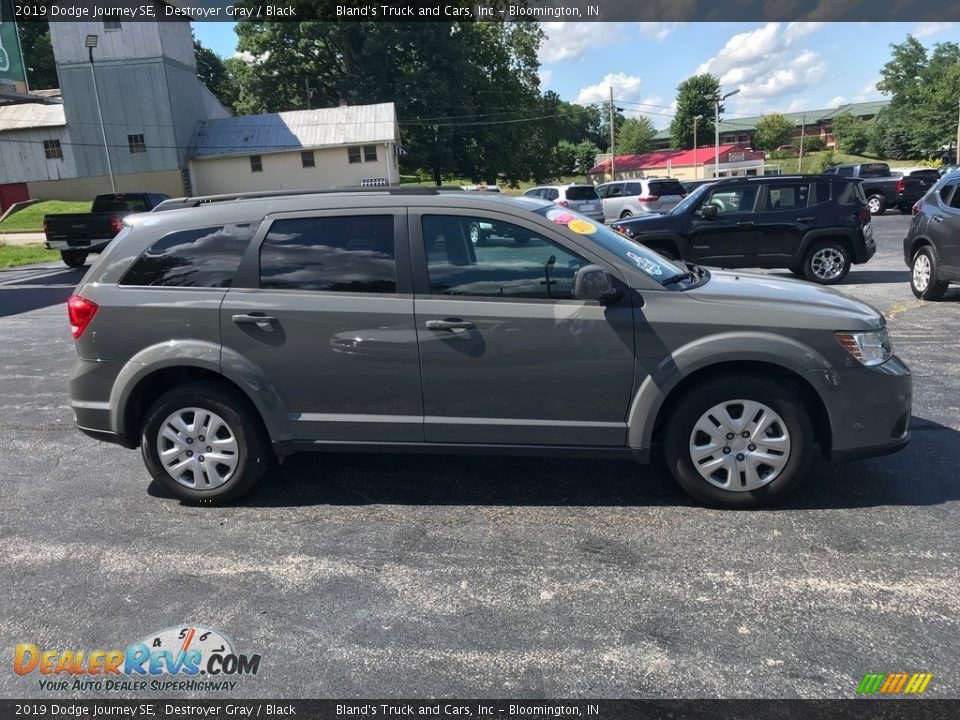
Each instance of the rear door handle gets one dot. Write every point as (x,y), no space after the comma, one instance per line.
(806,219)
(746,223)
(937,218)
(449,324)
(254,319)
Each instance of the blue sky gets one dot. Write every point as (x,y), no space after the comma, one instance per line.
(776,66)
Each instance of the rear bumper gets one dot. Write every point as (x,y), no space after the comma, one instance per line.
(93,246)
(91,382)
(869,409)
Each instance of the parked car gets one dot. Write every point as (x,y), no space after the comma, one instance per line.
(815,225)
(931,248)
(884,189)
(626,198)
(481,188)
(946,169)
(790,149)
(223,334)
(76,235)
(690,185)
(580,198)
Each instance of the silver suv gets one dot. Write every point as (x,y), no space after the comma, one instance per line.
(625,198)
(220,333)
(579,198)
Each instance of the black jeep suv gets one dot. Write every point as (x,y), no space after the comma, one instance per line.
(814,225)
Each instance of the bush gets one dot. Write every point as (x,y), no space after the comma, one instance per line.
(813,143)
(935,163)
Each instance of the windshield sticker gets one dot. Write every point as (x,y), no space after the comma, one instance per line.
(648,266)
(582,226)
(561,217)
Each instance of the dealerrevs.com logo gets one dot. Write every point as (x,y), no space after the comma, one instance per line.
(182,658)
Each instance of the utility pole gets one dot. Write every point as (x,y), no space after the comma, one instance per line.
(956,153)
(716,129)
(613,147)
(803,129)
(696,169)
(306,87)
(91,43)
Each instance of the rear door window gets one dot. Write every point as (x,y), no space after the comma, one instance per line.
(666,187)
(581,192)
(955,201)
(203,257)
(787,196)
(330,254)
(733,199)
(633,189)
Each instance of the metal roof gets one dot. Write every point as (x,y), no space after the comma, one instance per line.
(296,129)
(810,117)
(31,115)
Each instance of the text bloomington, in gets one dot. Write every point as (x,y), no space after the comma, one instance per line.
(477,12)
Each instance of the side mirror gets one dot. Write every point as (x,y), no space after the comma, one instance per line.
(592,282)
(709,211)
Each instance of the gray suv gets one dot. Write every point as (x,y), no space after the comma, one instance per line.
(220,333)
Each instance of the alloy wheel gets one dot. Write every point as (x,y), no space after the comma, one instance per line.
(921,272)
(827,263)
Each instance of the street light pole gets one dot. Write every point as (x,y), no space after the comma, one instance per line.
(613,147)
(716,129)
(91,43)
(696,169)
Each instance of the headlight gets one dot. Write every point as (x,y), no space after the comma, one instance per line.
(870,348)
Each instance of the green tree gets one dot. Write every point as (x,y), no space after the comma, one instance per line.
(564,159)
(636,136)
(586,153)
(772,131)
(852,133)
(215,74)
(695,96)
(38,55)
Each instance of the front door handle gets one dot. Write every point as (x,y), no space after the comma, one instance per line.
(449,324)
(254,319)
(806,219)
(746,223)
(937,218)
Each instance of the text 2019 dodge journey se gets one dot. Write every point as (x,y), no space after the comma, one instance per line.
(218,334)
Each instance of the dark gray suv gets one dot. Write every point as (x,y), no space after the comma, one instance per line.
(220,333)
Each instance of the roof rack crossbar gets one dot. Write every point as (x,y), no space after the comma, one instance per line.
(196,200)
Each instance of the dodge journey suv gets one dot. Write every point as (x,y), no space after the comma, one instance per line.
(219,333)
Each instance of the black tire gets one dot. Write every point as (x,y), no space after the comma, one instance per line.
(666,251)
(935,288)
(798,271)
(626,214)
(74,258)
(699,400)
(814,262)
(877,201)
(477,236)
(253,446)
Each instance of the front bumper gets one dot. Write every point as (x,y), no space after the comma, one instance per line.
(869,409)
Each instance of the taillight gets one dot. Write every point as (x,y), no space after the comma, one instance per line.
(647,198)
(81,312)
(918,206)
(116,224)
(901,185)
(864,215)
(563,203)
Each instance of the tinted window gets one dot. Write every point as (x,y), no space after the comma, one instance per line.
(633,189)
(666,187)
(786,197)
(615,191)
(119,204)
(955,202)
(550,194)
(581,192)
(874,170)
(733,199)
(823,192)
(848,192)
(205,257)
(945,192)
(513,262)
(333,254)
(845,171)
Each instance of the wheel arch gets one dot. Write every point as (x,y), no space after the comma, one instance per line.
(922,241)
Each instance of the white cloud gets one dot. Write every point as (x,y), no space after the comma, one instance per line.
(625,87)
(798,104)
(567,41)
(766,64)
(545,76)
(926,29)
(837,101)
(869,91)
(658,30)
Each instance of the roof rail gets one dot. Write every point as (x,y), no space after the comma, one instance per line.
(197,200)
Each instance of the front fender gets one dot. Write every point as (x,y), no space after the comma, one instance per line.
(733,347)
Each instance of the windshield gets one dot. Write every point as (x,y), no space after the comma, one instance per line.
(691,200)
(643,258)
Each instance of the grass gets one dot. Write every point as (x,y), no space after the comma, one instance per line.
(815,162)
(14,255)
(30,218)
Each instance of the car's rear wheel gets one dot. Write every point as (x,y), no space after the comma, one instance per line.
(739,442)
(924,281)
(877,204)
(827,262)
(477,235)
(73,258)
(203,445)
(626,214)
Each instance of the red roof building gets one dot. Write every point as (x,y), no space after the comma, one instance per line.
(683,164)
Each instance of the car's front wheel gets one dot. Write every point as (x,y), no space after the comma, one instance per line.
(202,444)
(477,235)
(827,262)
(923,276)
(73,258)
(877,204)
(739,442)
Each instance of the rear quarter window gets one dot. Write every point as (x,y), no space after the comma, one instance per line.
(581,193)
(666,187)
(202,257)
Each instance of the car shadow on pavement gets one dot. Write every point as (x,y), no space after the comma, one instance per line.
(865,277)
(924,473)
(25,289)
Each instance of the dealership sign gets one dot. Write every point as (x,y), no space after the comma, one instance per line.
(13,77)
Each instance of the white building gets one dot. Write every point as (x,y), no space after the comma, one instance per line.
(298,150)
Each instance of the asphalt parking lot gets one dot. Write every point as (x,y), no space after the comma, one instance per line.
(379,576)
